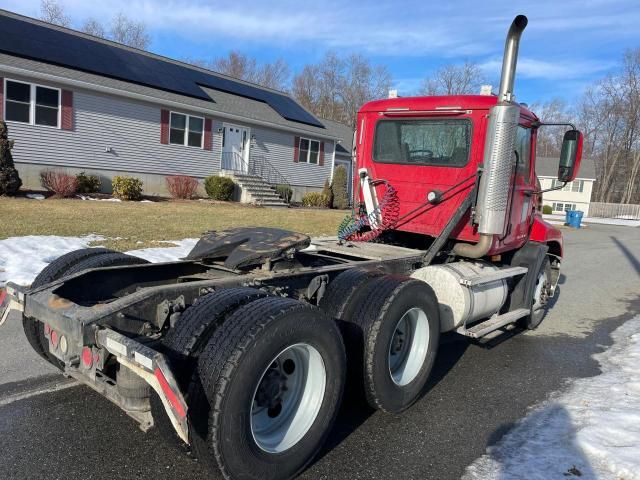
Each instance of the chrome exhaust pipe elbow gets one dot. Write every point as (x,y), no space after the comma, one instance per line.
(510,58)
(477,250)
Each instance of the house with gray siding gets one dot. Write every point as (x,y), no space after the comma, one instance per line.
(75,102)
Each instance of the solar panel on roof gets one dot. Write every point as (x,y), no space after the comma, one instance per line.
(48,45)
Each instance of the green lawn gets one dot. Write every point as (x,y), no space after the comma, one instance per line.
(125,224)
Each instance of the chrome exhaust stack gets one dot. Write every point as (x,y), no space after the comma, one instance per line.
(493,191)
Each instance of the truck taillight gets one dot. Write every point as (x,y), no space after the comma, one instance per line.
(87,357)
(55,338)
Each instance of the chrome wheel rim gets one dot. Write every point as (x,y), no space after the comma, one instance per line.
(287,398)
(539,295)
(409,346)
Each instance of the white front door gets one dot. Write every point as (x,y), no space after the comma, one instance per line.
(235,148)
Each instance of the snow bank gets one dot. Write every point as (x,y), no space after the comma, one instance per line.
(22,258)
(166,254)
(591,431)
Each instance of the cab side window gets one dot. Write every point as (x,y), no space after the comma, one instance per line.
(523,149)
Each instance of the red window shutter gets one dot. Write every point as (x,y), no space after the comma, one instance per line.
(296,148)
(164,126)
(321,158)
(1,98)
(208,137)
(67,110)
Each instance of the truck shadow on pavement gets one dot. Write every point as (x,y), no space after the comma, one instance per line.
(633,260)
(355,410)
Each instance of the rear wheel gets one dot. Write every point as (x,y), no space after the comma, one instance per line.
(34,330)
(398,326)
(68,264)
(184,342)
(271,383)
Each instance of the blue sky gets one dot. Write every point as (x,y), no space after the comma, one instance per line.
(567,45)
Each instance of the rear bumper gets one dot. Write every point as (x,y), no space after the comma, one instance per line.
(11,299)
(87,348)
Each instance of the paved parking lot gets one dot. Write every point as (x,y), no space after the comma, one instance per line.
(476,394)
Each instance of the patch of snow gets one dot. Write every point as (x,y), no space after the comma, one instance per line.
(146,201)
(22,258)
(166,254)
(35,196)
(591,430)
(606,221)
(85,197)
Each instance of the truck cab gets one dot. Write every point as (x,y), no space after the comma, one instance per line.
(433,148)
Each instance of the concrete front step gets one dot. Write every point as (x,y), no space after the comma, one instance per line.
(258,191)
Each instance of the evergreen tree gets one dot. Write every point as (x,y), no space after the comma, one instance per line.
(10,181)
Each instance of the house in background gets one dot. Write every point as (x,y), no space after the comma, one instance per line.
(75,102)
(343,149)
(574,195)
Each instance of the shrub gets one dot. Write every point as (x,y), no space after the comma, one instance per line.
(127,188)
(60,183)
(547,209)
(285,192)
(219,188)
(314,199)
(181,186)
(328,193)
(339,188)
(88,183)
(10,181)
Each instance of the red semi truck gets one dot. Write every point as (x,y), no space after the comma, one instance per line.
(242,349)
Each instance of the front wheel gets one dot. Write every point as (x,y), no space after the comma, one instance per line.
(270,384)
(541,295)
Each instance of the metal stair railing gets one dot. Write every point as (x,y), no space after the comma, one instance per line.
(259,166)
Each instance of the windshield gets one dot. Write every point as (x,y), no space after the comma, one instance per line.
(425,142)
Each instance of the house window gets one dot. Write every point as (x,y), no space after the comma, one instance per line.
(563,207)
(186,130)
(577,186)
(309,151)
(32,104)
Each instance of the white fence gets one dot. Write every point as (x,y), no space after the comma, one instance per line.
(614,210)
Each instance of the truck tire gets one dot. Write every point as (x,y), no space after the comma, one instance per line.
(184,342)
(341,291)
(270,384)
(398,328)
(539,303)
(111,259)
(34,330)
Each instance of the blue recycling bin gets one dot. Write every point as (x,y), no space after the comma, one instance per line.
(574,218)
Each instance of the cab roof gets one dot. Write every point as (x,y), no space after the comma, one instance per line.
(467,102)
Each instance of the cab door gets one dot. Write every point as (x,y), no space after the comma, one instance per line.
(523,185)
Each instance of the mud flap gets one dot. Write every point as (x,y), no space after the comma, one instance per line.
(152,367)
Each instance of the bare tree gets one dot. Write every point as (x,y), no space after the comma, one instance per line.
(610,114)
(274,75)
(337,87)
(129,32)
(94,27)
(51,11)
(238,65)
(549,139)
(454,80)
(360,83)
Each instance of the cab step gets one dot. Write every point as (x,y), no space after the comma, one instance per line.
(481,329)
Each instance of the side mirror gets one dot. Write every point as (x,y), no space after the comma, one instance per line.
(570,156)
